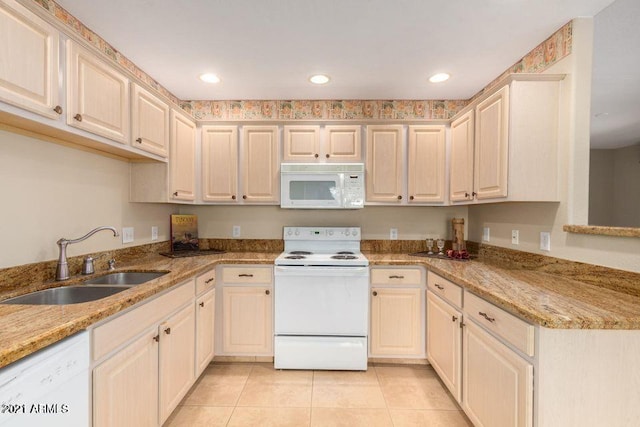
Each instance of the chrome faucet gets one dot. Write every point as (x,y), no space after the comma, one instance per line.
(62,270)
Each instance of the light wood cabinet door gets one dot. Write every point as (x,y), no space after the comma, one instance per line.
(97,95)
(177,359)
(125,387)
(492,146)
(301,143)
(183,157)
(260,165)
(247,320)
(220,164)
(150,122)
(384,168)
(205,317)
(396,326)
(29,79)
(497,383)
(426,170)
(342,143)
(444,342)
(461,163)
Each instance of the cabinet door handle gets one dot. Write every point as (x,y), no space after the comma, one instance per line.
(201,304)
(244,197)
(175,194)
(395,276)
(327,156)
(474,194)
(316,155)
(78,117)
(267,292)
(399,197)
(375,294)
(466,195)
(156,338)
(233,197)
(439,287)
(139,140)
(245,275)
(208,281)
(490,319)
(411,197)
(167,331)
(58,109)
(454,318)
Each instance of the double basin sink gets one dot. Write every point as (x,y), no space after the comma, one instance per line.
(90,290)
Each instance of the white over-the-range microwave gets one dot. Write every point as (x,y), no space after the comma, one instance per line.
(322,185)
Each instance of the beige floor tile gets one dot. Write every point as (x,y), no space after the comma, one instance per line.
(199,416)
(266,374)
(211,390)
(426,394)
(429,418)
(347,396)
(403,374)
(346,377)
(353,417)
(229,373)
(276,395)
(270,417)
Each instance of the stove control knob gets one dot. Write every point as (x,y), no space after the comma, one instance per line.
(330,232)
(297,232)
(354,232)
(347,233)
(289,232)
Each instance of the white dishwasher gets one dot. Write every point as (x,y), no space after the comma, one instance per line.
(48,388)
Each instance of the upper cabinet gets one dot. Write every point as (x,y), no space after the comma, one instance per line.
(308,143)
(511,135)
(219,163)
(260,165)
(182,164)
(149,121)
(29,70)
(426,164)
(384,163)
(97,95)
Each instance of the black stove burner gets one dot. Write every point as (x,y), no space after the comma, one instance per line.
(295,256)
(345,253)
(300,253)
(344,257)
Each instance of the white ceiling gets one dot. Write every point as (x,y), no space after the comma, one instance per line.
(372,49)
(615,93)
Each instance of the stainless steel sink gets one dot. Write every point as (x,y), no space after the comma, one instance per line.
(66,295)
(125,278)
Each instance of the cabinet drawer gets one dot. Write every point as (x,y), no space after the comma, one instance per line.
(517,332)
(396,276)
(109,336)
(205,281)
(261,275)
(445,289)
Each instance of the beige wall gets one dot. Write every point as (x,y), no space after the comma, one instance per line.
(601,187)
(532,218)
(266,222)
(50,191)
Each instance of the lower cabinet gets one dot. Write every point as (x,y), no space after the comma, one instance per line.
(205,318)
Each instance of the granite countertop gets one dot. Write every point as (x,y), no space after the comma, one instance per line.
(549,300)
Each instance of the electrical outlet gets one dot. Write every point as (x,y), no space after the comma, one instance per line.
(127,234)
(154,233)
(393,233)
(545,241)
(486,234)
(515,237)
(236,231)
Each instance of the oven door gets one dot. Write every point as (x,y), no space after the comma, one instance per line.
(300,190)
(321,301)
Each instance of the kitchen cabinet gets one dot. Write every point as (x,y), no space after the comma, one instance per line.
(384,163)
(29,79)
(397,313)
(205,322)
(97,95)
(149,121)
(426,169)
(219,163)
(514,130)
(182,162)
(245,322)
(336,143)
(260,165)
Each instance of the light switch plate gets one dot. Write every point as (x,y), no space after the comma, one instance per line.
(393,233)
(486,234)
(127,234)
(545,241)
(236,231)
(154,233)
(515,237)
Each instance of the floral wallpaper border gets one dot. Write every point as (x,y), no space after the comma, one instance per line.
(553,49)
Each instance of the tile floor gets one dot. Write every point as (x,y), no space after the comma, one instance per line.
(255,394)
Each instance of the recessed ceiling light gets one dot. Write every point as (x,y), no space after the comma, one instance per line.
(209,78)
(438,78)
(319,79)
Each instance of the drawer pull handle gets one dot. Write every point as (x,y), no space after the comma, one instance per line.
(268,292)
(245,275)
(156,338)
(454,318)
(439,287)
(396,277)
(201,304)
(208,281)
(167,331)
(375,294)
(490,319)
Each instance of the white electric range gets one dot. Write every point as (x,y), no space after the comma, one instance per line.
(321,298)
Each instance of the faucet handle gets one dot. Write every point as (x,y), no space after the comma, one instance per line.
(87,266)
(112,264)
